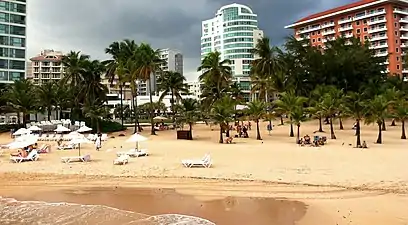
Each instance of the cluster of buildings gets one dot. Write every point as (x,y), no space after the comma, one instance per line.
(233,31)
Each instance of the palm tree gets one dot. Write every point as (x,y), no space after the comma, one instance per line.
(269,59)
(256,111)
(46,94)
(21,97)
(315,99)
(237,95)
(92,88)
(400,112)
(95,110)
(148,65)
(355,107)
(262,85)
(74,64)
(189,112)
(298,116)
(330,104)
(173,82)
(377,111)
(287,102)
(221,113)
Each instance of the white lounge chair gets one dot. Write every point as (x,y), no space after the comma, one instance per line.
(134,153)
(204,162)
(32,156)
(104,137)
(121,160)
(67,147)
(85,158)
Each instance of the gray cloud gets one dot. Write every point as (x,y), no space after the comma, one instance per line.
(91,25)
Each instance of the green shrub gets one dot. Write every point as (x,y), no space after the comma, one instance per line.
(7,127)
(107,126)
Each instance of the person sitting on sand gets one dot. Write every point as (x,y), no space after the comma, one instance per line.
(364,145)
(20,153)
(228,140)
(307,139)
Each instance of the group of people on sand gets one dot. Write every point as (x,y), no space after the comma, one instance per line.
(242,132)
(25,151)
(317,141)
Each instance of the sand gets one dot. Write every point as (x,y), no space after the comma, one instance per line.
(336,183)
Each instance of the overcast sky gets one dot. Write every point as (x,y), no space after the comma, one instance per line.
(91,25)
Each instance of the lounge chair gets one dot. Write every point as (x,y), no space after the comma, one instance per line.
(134,153)
(32,156)
(44,149)
(67,147)
(104,137)
(204,162)
(121,160)
(85,158)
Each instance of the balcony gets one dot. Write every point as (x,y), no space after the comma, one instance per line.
(377,21)
(341,29)
(401,11)
(379,46)
(404,37)
(328,32)
(309,29)
(379,37)
(377,29)
(404,45)
(328,25)
(404,28)
(345,21)
(349,35)
(403,20)
(303,38)
(375,13)
(381,54)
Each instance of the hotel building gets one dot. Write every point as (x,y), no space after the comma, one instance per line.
(45,67)
(12,40)
(383,22)
(234,33)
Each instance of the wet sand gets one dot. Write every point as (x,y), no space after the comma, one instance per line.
(223,202)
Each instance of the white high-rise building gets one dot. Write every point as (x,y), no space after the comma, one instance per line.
(234,33)
(174,60)
(45,66)
(12,40)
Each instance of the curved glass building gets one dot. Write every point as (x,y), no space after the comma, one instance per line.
(233,32)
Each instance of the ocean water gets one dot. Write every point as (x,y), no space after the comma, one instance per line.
(13,212)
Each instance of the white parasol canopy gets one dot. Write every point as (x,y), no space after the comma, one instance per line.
(80,140)
(23,141)
(27,138)
(75,135)
(61,129)
(160,118)
(22,131)
(34,128)
(84,129)
(136,138)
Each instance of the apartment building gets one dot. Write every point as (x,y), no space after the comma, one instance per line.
(383,22)
(13,15)
(233,32)
(45,67)
(194,88)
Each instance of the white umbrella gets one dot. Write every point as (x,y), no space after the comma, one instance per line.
(80,140)
(27,138)
(74,135)
(136,138)
(61,129)
(84,129)
(160,118)
(34,128)
(22,131)
(19,144)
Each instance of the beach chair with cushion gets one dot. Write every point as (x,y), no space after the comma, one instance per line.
(204,162)
(67,147)
(104,137)
(85,158)
(121,160)
(44,149)
(32,156)
(134,153)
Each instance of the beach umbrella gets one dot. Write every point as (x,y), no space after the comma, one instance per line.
(160,118)
(80,140)
(61,129)
(74,135)
(34,128)
(136,138)
(27,138)
(22,131)
(84,129)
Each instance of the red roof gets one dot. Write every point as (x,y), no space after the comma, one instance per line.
(355,4)
(45,58)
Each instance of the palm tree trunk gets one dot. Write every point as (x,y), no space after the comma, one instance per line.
(291,129)
(358,134)
(173,119)
(383,125)
(136,112)
(333,136)
(18,119)
(98,128)
(403,136)
(281,119)
(221,140)
(227,133)
(393,123)
(36,116)
(379,139)
(341,124)
(153,132)
(49,113)
(298,134)
(121,103)
(320,124)
(24,119)
(258,133)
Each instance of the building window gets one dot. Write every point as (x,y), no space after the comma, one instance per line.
(358,31)
(398,67)
(395,16)
(397,50)
(397,58)
(318,32)
(396,41)
(396,32)
(365,21)
(358,23)
(313,33)
(314,40)
(319,39)
(365,29)
(395,24)
(365,37)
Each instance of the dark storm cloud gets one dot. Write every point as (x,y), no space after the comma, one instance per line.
(92,25)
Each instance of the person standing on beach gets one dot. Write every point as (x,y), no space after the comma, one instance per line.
(98,142)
